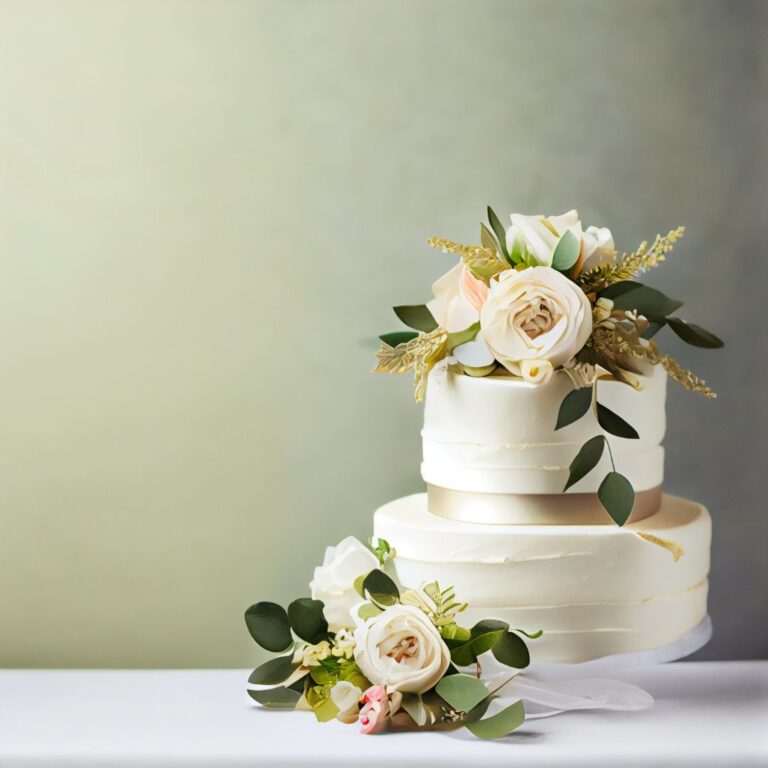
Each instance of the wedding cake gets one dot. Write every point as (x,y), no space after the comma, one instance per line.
(495,521)
(543,519)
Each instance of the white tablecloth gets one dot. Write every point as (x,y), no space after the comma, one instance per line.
(706,714)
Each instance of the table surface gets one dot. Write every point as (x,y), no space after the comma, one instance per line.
(706,714)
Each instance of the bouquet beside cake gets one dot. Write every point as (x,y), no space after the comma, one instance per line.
(544,517)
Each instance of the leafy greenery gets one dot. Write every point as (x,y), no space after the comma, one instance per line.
(319,699)
(382,590)
(416,316)
(439,604)
(307,621)
(575,404)
(383,551)
(277,698)
(566,252)
(649,302)
(274,671)
(457,338)
(617,497)
(694,335)
(613,423)
(425,709)
(398,337)
(499,725)
(586,460)
(462,692)
(269,626)
(512,651)
(500,232)
(483,637)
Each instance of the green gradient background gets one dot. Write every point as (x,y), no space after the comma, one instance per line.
(207,210)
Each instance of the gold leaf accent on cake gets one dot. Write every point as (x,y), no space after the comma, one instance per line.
(482,262)
(631,264)
(419,355)
(674,549)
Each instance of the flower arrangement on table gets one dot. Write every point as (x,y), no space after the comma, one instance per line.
(541,296)
(363,649)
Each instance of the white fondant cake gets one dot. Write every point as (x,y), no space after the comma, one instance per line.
(496,525)
(595,590)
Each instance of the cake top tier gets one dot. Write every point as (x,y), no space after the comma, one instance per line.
(539,296)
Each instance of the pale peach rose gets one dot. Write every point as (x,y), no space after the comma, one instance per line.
(459,296)
(597,248)
(375,710)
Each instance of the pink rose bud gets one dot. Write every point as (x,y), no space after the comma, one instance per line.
(375,710)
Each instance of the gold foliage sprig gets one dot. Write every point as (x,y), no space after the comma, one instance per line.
(482,262)
(631,264)
(418,355)
(683,376)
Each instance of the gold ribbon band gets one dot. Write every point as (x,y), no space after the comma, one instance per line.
(533,508)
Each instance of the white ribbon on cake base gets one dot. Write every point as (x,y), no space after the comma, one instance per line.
(549,689)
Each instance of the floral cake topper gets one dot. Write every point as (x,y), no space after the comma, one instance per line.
(543,296)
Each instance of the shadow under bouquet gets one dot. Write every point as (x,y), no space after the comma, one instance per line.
(363,649)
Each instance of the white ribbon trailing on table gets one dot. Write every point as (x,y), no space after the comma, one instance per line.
(549,689)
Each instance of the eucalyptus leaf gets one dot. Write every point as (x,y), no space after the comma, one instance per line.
(575,404)
(512,651)
(368,611)
(457,338)
(276,698)
(613,423)
(499,725)
(649,302)
(694,335)
(482,637)
(398,337)
(530,635)
(566,252)
(586,460)
(416,316)
(269,626)
(500,232)
(381,588)
(462,692)
(307,620)
(274,671)
(617,497)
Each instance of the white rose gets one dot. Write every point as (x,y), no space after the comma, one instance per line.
(535,237)
(401,649)
(534,321)
(334,581)
(459,295)
(597,247)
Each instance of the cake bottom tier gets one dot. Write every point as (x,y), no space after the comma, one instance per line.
(594,590)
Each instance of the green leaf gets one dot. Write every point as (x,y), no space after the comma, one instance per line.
(381,588)
(617,497)
(613,423)
(307,621)
(566,252)
(575,404)
(416,316)
(694,335)
(277,698)
(269,626)
(274,671)
(500,232)
(457,338)
(398,337)
(482,637)
(368,611)
(488,240)
(413,705)
(512,651)
(462,692)
(586,460)
(649,302)
(499,725)
(530,635)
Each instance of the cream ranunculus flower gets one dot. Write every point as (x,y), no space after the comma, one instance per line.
(535,237)
(534,321)
(459,295)
(334,581)
(401,649)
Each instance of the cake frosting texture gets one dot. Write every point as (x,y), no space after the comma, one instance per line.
(595,590)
